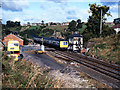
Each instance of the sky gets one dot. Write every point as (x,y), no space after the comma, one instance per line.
(34,11)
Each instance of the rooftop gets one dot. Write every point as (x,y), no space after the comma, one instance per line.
(116,26)
(75,35)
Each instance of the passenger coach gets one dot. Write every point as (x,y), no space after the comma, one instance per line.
(56,43)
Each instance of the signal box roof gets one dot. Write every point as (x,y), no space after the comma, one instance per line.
(75,35)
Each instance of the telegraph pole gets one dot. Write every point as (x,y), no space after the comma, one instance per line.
(101,23)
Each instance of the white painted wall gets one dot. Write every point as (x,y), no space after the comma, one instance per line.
(117,30)
(74,41)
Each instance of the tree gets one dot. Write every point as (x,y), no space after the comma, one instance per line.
(93,24)
(42,22)
(12,24)
(72,26)
(28,23)
(79,24)
(107,31)
(17,23)
(8,23)
(46,24)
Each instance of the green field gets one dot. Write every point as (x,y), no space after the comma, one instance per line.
(34,27)
(82,29)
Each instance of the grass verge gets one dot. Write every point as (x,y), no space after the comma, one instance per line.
(107,49)
(25,74)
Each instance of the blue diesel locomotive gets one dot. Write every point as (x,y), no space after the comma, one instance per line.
(52,42)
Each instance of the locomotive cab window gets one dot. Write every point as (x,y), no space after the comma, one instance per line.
(61,43)
(66,43)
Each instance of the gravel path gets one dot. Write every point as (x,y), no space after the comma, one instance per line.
(43,60)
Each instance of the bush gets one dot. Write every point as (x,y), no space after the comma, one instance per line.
(101,46)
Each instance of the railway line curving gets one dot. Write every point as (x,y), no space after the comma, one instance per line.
(107,73)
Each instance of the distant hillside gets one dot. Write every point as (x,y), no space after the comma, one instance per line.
(34,27)
(58,27)
(31,31)
(24,28)
(107,49)
(45,31)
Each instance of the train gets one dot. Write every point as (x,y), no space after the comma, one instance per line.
(74,43)
(52,42)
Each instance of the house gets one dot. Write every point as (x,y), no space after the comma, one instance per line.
(11,37)
(75,42)
(65,23)
(116,28)
(24,25)
(49,23)
(34,24)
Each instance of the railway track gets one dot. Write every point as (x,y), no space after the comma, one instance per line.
(97,64)
(107,69)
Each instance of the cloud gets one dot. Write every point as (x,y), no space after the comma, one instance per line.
(14,5)
(53,3)
(71,12)
(114,15)
(57,1)
(108,3)
(27,20)
(49,11)
(71,18)
(42,6)
(16,19)
(113,5)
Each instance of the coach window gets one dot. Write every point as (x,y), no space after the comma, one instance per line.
(66,43)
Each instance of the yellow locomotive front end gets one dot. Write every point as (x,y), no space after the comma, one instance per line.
(64,44)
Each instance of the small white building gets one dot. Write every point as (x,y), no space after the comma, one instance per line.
(116,28)
(75,42)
